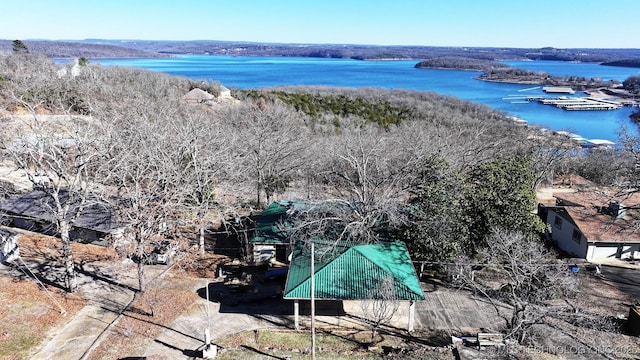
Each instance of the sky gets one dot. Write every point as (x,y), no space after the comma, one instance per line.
(472,23)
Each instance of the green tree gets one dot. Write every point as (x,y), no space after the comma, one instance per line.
(20,47)
(438,229)
(83,61)
(502,195)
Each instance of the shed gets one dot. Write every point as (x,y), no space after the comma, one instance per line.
(351,272)
(33,211)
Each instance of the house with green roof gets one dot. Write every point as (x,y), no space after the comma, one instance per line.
(271,242)
(343,273)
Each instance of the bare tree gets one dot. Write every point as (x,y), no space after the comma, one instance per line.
(365,175)
(270,146)
(204,147)
(631,152)
(520,278)
(547,160)
(381,306)
(146,179)
(60,160)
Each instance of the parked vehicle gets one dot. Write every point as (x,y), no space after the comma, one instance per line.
(161,254)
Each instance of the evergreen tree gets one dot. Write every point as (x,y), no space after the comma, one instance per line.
(502,196)
(20,47)
(438,228)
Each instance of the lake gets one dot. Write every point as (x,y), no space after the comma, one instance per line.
(261,72)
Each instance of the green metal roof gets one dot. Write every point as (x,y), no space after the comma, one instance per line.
(270,223)
(268,227)
(349,273)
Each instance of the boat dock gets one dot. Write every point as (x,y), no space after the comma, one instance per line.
(558,90)
(583,103)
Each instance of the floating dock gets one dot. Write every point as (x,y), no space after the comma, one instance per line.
(558,90)
(587,103)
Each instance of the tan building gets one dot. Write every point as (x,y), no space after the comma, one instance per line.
(594,224)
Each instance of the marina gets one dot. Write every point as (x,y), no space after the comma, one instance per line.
(580,103)
(571,103)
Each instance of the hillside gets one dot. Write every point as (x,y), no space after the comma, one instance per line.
(625,62)
(101,48)
(461,63)
(64,49)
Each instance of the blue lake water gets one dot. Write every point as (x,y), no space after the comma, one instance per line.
(261,72)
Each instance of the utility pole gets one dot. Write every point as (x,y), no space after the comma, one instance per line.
(313,305)
(209,351)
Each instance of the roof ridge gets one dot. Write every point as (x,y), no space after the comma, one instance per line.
(385,265)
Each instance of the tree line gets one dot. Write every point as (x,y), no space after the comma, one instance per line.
(105,48)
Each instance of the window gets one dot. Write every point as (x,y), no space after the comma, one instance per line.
(576,236)
(558,222)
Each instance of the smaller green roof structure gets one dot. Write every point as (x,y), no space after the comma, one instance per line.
(268,229)
(273,219)
(351,272)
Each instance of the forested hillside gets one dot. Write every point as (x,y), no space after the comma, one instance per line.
(69,49)
(450,178)
(101,48)
(376,149)
(461,63)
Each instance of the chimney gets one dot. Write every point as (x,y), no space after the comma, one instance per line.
(616,209)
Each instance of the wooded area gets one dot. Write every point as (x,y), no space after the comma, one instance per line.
(446,176)
(106,48)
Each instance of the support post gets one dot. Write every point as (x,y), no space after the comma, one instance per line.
(296,314)
(412,311)
(313,305)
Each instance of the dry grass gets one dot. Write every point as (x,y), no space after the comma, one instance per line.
(294,344)
(347,344)
(200,266)
(36,247)
(36,314)
(29,312)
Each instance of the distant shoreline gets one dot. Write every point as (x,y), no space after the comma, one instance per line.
(105,49)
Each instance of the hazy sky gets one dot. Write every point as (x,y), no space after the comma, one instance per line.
(508,23)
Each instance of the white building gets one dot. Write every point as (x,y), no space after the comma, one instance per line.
(595,225)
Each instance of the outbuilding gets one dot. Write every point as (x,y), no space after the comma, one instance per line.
(352,274)
(33,211)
